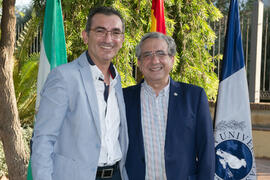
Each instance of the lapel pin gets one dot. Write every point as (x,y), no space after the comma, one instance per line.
(175,94)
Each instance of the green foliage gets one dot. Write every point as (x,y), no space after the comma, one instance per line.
(195,38)
(23,14)
(25,80)
(244,5)
(26,38)
(25,73)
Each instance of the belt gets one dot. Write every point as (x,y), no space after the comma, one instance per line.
(107,171)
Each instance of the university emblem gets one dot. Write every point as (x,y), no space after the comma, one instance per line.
(234,159)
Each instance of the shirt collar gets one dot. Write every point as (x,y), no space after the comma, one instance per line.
(149,89)
(111,67)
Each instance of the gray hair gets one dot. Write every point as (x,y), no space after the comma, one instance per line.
(103,10)
(169,40)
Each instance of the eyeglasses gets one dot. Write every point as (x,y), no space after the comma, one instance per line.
(148,55)
(101,32)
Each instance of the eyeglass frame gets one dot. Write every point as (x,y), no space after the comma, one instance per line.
(105,32)
(150,54)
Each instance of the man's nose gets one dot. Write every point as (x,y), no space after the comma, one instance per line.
(154,58)
(108,36)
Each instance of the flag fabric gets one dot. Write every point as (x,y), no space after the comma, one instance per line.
(157,17)
(53,46)
(233,132)
(53,49)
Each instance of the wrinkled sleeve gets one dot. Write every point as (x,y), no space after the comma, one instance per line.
(205,140)
(49,119)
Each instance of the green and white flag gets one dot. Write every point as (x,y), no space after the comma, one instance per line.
(53,48)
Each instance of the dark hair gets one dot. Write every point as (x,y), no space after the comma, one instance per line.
(169,40)
(103,10)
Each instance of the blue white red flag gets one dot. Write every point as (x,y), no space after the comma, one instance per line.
(233,132)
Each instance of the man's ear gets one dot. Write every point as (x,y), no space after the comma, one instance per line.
(172,59)
(122,40)
(85,37)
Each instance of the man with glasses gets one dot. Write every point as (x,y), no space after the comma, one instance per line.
(81,131)
(169,123)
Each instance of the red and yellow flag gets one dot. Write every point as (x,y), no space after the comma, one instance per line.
(157,16)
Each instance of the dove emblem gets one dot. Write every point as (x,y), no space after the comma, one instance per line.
(232,161)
